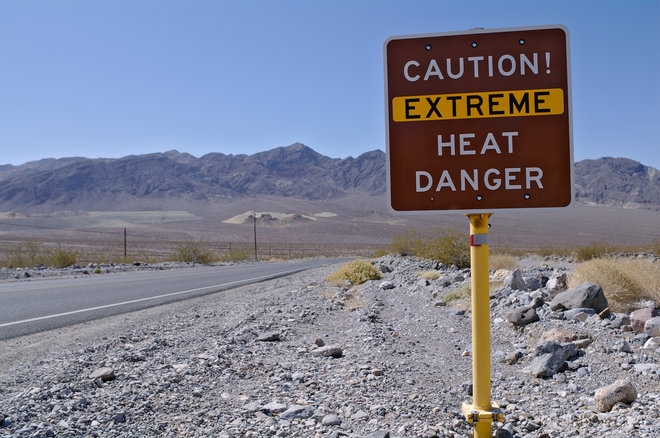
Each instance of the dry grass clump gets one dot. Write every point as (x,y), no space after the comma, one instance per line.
(464,292)
(627,284)
(356,271)
(593,251)
(431,274)
(503,261)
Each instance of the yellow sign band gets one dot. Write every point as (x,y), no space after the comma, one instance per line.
(479,105)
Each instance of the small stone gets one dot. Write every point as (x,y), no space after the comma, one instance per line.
(328,351)
(269,337)
(386,285)
(273,407)
(331,420)
(652,343)
(105,374)
(298,412)
(522,316)
(180,367)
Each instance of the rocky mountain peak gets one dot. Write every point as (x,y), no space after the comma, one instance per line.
(295,171)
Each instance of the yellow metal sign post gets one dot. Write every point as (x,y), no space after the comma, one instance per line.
(482,412)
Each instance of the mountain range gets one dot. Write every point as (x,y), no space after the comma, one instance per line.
(295,171)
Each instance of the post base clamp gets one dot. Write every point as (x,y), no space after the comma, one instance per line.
(475,415)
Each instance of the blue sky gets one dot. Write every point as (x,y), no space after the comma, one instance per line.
(124,77)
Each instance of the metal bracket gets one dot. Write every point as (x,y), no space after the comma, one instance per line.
(474,415)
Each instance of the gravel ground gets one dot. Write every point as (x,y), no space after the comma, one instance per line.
(298,357)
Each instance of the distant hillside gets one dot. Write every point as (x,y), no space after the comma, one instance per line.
(617,182)
(295,171)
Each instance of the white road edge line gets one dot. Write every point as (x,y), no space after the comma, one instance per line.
(123,303)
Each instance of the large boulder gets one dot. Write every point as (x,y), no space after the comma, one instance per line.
(515,281)
(620,391)
(652,327)
(586,295)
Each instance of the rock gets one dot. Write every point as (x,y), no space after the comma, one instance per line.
(273,408)
(522,316)
(639,317)
(297,412)
(503,433)
(386,285)
(500,275)
(652,326)
(328,351)
(384,269)
(647,368)
(331,420)
(558,282)
(558,335)
(532,283)
(621,391)
(623,347)
(378,434)
(515,281)
(652,343)
(579,314)
(589,295)
(550,358)
(105,374)
(252,406)
(269,337)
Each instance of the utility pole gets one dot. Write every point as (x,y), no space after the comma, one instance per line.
(254,223)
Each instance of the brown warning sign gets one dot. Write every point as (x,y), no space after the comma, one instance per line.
(479,120)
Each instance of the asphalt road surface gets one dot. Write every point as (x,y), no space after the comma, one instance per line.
(28,307)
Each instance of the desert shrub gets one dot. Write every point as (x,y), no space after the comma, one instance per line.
(62,258)
(235,255)
(356,271)
(626,284)
(448,246)
(193,252)
(592,251)
(26,253)
(502,261)
(380,253)
(464,292)
(408,243)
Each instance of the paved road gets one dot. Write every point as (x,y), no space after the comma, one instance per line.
(33,306)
